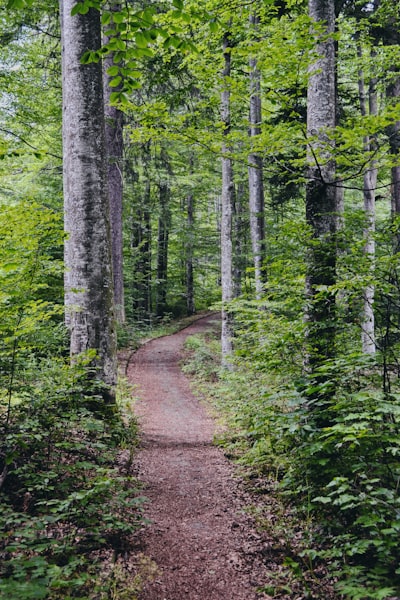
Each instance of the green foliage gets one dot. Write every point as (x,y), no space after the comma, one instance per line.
(348,471)
(16,4)
(64,502)
(64,499)
(132,37)
(329,437)
(31,289)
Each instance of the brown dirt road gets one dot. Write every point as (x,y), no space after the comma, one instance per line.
(201,537)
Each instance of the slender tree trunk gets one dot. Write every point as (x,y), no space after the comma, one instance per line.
(162,249)
(114,144)
(255,170)
(226,213)
(189,247)
(190,304)
(88,279)
(321,196)
(146,254)
(393,94)
(368,106)
(141,253)
(140,242)
(239,264)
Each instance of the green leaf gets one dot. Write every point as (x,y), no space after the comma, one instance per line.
(178,4)
(110,33)
(118,98)
(118,17)
(89,57)
(213,26)
(175,14)
(134,85)
(148,16)
(113,71)
(121,44)
(323,499)
(115,82)
(141,39)
(80,8)
(119,57)
(105,18)
(16,4)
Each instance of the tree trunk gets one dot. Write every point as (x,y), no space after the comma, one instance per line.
(226,214)
(189,242)
(255,170)
(393,93)
(162,249)
(321,196)
(239,230)
(190,305)
(141,254)
(88,279)
(368,106)
(114,145)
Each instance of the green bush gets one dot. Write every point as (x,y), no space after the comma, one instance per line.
(63,499)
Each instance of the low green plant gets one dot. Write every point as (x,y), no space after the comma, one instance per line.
(349,472)
(64,501)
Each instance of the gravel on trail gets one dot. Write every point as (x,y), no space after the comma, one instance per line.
(201,537)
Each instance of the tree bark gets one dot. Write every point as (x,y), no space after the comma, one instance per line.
(88,278)
(368,106)
(226,214)
(321,196)
(189,247)
(141,253)
(255,171)
(190,304)
(393,94)
(239,239)
(114,144)
(162,248)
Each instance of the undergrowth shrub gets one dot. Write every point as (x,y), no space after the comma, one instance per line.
(65,502)
(348,475)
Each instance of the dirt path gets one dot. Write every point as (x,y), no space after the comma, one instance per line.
(201,537)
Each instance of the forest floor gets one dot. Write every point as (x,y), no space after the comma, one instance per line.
(202,538)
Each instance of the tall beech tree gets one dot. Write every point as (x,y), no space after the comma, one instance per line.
(164,222)
(391,37)
(368,106)
(321,203)
(226,208)
(114,148)
(88,277)
(114,123)
(255,170)
(189,246)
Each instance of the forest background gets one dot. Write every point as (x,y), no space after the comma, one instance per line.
(252,152)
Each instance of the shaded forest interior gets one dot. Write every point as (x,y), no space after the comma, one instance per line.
(166,158)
